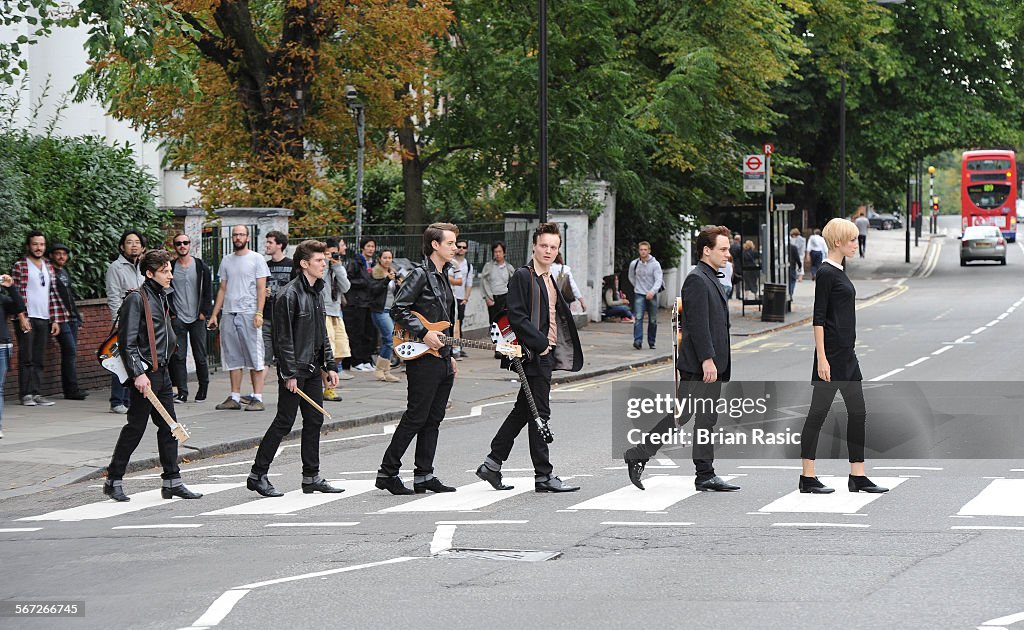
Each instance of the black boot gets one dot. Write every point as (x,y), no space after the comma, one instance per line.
(263,487)
(860,483)
(180,492)
(811,485)
(115,492)
(393,485)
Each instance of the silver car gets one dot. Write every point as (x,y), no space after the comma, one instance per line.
(982,242)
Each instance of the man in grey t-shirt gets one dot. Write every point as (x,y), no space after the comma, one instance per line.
(862,224)
(191,305)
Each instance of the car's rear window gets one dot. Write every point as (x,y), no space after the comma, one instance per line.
(981,232)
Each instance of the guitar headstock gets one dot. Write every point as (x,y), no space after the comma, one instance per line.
(510,350)
(180,433)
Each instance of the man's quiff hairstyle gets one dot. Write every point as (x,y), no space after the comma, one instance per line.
(839,230)
(708,235)
(306,249)
(435,232)
(547,228)
(279,237)
(154,260)
(644,244)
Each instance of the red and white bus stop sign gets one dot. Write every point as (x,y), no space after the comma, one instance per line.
(768,148)
(754,164)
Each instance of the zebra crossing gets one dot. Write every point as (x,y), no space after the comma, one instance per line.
(999,498)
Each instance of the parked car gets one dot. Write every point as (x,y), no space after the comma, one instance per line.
(982,242)
(884,221)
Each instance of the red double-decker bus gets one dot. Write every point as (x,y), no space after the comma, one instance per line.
(988,190)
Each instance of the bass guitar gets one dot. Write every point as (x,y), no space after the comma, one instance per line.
(408,346)
(501,330)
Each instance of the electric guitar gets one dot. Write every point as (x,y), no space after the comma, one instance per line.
(109,357)
(677,339)
(501,330)
(408,346)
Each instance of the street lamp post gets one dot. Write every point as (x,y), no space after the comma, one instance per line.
(358,108)
(931,200)
(542,114)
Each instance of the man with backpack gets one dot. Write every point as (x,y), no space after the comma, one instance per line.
(646,278)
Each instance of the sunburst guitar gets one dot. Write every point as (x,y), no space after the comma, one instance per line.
(677,338)
(501,330)
(109,357)
(409,347)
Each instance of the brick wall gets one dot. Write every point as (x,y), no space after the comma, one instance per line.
(90,375)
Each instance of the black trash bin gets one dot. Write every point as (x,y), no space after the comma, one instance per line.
(773,306)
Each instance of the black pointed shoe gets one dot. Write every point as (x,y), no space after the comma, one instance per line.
(715,484)
(553,484)
(433,484)
(863,484)
(180,492)
(115,492)
(811,485)
(635,468)
(263,487)
(320,486)
(393,485)
(492,477)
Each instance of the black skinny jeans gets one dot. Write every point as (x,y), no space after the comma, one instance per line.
(139,411)
(312,421)
(430,383)
(821,402)
(194,333)
(520,416)
(31,350)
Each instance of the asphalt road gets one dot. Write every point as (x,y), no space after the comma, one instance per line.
(921,556)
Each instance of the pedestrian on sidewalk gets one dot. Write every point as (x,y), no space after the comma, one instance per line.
(146,347)
(10,305)
(615,302)
(382,297)
(191,306)
(426,291)
(461,278)
(704,361)
(862,224)
(303,353)
(726,278)
(646,277)
(795,266)
(361,332)
(751,270)
(37,283)
(836,368)
(242,295)
(540,317)
(796,238)
(817,248)
(60,254)
(494,281)
(334,287)
(566,283)
(736,255)
(280,266)
(123,276)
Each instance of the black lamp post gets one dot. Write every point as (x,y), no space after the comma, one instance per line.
(542,106)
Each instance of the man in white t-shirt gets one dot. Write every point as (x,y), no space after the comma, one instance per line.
(242,293)
(817,248)
(460,276)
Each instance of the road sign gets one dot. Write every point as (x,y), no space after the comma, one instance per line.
(785,207)
(753,164)
(768,148)
(753,173)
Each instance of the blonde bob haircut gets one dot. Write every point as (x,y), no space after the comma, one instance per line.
(839,231)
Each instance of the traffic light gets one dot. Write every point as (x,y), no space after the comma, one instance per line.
(935,204)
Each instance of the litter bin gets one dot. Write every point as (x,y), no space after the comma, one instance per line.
(773,306)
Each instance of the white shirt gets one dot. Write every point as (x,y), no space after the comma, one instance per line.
(37,292)
(241,272)
(462,271)
(816,243)
(834,264)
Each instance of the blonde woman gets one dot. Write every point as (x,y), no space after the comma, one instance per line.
(835,362)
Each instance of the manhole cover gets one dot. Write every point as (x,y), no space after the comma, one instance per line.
(516,555)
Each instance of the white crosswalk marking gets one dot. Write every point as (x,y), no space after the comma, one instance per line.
(471,497)
(294,500)
(1002,497)
(841,501)
(111,508)
(661,493)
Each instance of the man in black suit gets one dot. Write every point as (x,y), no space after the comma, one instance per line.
(704,360)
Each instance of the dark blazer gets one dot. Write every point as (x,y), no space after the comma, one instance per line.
(705,323)
(205,287)
(528,315)
(10,305)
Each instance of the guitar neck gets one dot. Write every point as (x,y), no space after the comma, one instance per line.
(517,365)
(467,343)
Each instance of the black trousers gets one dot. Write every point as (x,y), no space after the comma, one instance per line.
(539,379)
(31,350)
(862,243)
(312,422)
(194,333)
(703,454)
(139,411)
(68,341)
(430,383)
(856,412)
(498,308)
(362,334)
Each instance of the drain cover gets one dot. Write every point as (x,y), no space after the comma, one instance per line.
(515,555)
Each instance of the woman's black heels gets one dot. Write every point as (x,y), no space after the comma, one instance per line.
(813,486)
(863,484)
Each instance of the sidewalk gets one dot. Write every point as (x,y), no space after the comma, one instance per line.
(48,447)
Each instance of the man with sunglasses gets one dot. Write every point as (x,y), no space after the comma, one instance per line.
(460,275)
(60,254)
(191,304)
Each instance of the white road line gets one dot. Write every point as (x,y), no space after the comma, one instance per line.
(887,375)
(111,508)
(295,500)
(1008,620)
(1004,316)
(471,497)
(646,523)
(839,502)
(666,462)
(1016,529)
(941,350)
(337,524)
(507,470)
(1002,497)
(992,323)
(443,536)
(917,362)
(11,530)
(387,430)
(306,576)
(962,339)
(168,526)
(906,468)
(481,522)
(220,609)
(649,467)
(771,467)
(978,330)
(661,494)
(239,475)
(820,525)
(477,410)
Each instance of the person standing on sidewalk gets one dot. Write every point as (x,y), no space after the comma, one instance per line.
(242,294)
(796,238)
(382,298)
(123,276)
(704,362)
(10,305)
(145,359)
(427,292)
(461,278)
(494,281)
(541,319)
(836,368)
(817,248)
(646,278)
(191,306)
(334,287)
(280,274)
(68,337)
(358,322)
(862,224)
(303,354)
(35,279)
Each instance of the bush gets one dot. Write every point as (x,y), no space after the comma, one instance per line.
(77,191)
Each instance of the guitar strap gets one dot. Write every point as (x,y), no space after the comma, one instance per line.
(149,327)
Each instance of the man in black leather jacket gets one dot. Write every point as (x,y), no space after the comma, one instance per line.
(147,368)
(426,290)
(303,351)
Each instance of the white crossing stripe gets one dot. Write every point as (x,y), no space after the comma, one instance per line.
(471,497)
(662,493)
(111,508)
(11,530)
(295,500)
(1002,497)
(841,501)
